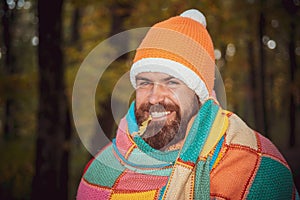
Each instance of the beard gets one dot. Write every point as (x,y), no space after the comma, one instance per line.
(163,133)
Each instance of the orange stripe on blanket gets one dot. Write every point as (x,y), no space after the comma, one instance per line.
(229,180)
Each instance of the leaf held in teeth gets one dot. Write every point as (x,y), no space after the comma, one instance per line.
(144,126)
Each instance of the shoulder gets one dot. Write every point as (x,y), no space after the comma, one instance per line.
(250,165)
(240,134)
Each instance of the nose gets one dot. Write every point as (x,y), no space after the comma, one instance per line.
(158,93)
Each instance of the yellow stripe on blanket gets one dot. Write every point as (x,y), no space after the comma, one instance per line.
(220,123)
(135,195)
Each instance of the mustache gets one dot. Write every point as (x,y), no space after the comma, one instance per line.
(160,107)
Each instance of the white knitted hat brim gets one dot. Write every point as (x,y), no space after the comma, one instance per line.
(175,69)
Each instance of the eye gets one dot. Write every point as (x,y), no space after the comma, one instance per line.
(143,84)
(173,82)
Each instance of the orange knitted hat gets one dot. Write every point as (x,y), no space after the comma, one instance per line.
(182,48)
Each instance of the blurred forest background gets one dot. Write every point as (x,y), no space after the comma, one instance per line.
(42,44)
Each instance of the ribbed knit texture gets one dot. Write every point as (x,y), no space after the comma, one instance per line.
(202,124)
(269,170)
(187,27)
(202,185)
(189,156)
(183,40)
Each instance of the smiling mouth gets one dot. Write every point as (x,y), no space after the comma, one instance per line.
(160,115)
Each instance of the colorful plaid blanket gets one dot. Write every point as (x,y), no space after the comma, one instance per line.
(221,158)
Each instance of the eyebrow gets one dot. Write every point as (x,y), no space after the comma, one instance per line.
(142,79)
(168,78)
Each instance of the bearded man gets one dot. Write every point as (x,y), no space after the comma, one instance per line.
(176,141)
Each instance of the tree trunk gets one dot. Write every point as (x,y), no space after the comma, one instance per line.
(75,34)
(53,123)
(10,122)
(120,11)
(292,110)
(254,92)
(292,9)
(262,75)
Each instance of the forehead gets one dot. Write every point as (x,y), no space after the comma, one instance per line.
(155,76)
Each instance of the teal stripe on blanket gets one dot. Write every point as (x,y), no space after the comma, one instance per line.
(108,166)
(199,132)
(268,185)
(216,153)
(140,165)
(131,120)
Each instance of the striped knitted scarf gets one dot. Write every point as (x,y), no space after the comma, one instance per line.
(192,162)
(185,171)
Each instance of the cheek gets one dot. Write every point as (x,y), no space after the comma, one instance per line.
(140,97)
(183,97)
(188,102)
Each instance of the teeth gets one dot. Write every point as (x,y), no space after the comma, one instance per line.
(159,114)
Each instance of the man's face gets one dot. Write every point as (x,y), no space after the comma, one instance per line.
(169,103)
